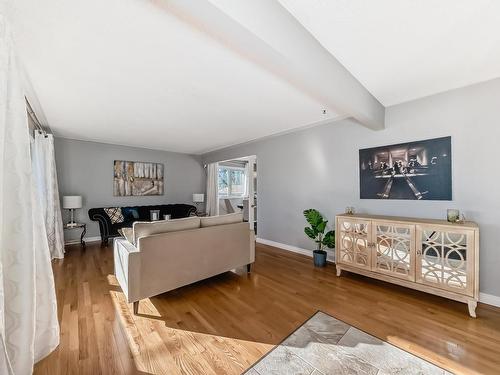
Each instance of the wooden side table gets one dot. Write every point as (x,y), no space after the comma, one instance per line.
(81,226)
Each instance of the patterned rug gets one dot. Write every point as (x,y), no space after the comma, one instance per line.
(324,345)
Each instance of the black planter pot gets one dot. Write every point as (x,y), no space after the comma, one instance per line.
(319,257)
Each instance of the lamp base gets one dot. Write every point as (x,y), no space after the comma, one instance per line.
(71,222)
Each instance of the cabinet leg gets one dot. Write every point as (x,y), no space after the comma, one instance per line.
(472,308)
(136,307)
(249,267)
(339,271)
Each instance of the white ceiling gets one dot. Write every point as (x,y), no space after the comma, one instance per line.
(129,72)
(126,72)
(406,49)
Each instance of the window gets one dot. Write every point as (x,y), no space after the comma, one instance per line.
(232,182)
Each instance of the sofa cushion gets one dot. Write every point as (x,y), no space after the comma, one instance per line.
(143,229)
(211,221)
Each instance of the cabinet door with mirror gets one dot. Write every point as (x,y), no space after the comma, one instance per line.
(444,258)
(353,242)
(394,249)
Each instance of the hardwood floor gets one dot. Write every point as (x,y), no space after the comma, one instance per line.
(225,324)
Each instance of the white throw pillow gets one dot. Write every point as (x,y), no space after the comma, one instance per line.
(128,233)
(211,221)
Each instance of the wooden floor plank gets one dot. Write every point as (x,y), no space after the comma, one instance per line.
(224,324)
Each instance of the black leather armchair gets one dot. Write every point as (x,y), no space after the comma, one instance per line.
(109,230)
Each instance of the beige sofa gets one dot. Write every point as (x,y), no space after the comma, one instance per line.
(157,257)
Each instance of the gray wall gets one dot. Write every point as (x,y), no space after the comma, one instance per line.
(318,167)
(86,168)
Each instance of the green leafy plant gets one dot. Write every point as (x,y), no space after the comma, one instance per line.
(316,230)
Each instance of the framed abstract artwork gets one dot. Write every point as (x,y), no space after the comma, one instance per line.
(134,178)
(418,170)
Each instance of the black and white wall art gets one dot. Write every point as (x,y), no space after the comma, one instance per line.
(414,170)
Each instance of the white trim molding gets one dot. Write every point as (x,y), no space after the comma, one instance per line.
(294,249)
(488,299)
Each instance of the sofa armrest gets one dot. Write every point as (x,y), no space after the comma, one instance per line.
(127,268)
(98,214)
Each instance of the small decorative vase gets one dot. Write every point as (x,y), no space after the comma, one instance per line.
(453,215)
(319,257)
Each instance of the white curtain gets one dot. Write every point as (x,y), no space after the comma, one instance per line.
(29,329)
(44,171)
(212,189)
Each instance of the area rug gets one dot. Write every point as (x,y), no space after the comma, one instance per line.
(324,345)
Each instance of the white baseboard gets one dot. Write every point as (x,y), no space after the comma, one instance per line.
(86,239)
(488,299)
(294,249)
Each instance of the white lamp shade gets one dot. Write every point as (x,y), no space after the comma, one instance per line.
(72,201)
(198,198)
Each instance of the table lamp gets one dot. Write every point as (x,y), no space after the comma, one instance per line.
(197,199)
(71,202)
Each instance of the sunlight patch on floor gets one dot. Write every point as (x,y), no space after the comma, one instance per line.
(157,348)
(112,280)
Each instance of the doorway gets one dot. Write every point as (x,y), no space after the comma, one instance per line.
(237,188)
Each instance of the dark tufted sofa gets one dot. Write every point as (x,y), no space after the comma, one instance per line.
(109,230)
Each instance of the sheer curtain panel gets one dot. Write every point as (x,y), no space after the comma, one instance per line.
(29,329)
(212,189)
(45,174)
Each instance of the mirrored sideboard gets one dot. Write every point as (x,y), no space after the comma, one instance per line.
(432,256)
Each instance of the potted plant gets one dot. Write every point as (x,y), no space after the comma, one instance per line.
(316,232)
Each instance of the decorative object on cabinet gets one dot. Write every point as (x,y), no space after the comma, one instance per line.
(432,256)
(316,232)
(349,210)
(413,170)
(452,215)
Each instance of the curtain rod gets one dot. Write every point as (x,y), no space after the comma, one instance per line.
(33,116)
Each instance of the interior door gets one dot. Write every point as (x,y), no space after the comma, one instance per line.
(394,249)
(353,239)
(445,259)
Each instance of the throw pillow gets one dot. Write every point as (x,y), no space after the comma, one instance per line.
(130,213)
(128,233)
(115,214)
